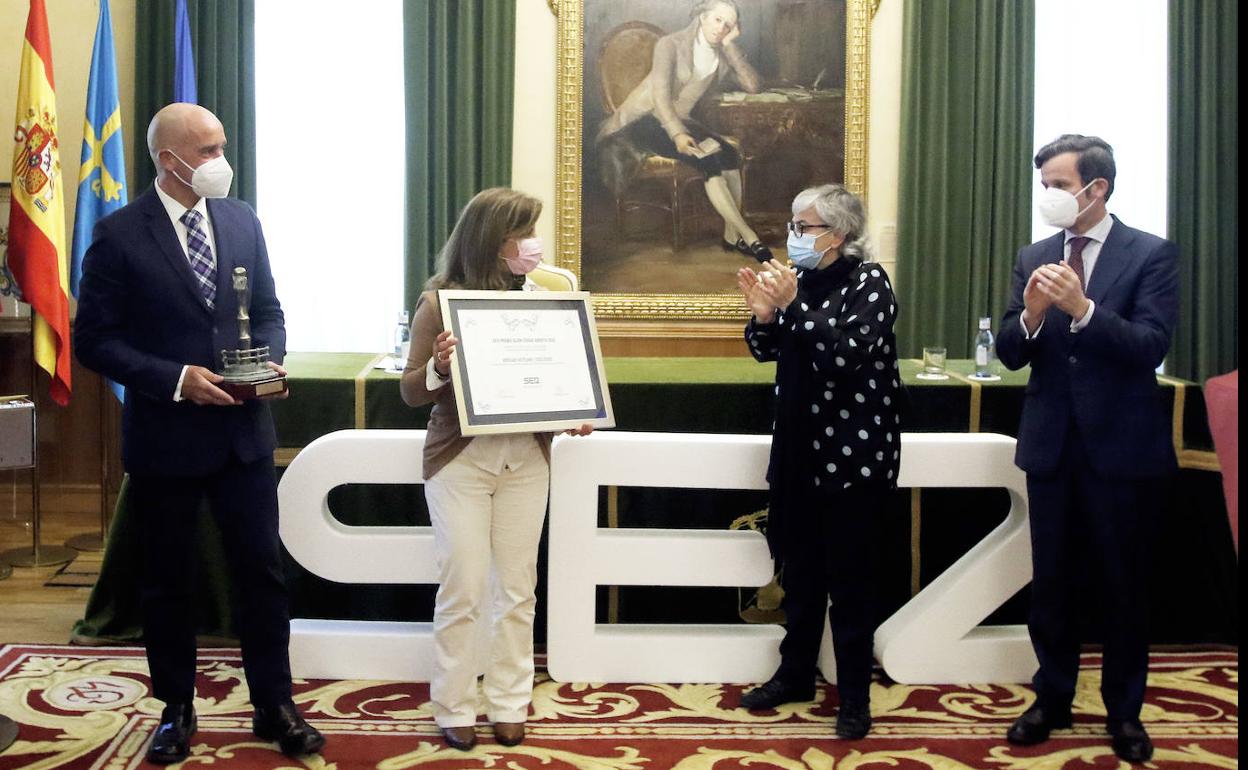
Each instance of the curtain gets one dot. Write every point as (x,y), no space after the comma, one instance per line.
(459,77)
(1204,185)
(965,169)
(223,40)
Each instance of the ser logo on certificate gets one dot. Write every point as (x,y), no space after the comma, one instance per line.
(525,361)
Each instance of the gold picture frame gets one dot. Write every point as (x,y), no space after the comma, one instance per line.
(700,314)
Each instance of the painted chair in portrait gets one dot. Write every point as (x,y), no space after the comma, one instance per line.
(553,278)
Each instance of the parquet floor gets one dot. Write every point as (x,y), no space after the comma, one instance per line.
(30,612)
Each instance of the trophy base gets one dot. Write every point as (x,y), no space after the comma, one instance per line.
(247,391)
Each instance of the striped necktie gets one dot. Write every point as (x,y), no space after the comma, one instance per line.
(200,255)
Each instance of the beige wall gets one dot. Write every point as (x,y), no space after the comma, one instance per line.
(71,24)
(533,150)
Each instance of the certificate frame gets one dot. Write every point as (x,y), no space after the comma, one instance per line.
(474,422)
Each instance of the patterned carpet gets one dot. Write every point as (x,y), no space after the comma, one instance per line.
(90,708)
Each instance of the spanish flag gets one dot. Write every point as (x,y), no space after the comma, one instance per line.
(37,210)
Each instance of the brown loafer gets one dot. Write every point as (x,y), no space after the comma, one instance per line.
(462,738)
(509,733)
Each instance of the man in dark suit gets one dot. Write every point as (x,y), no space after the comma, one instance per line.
(1093,310)
(156,307)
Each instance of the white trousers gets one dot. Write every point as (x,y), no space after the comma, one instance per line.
(487,507)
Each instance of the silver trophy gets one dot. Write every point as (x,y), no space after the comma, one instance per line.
(246,370)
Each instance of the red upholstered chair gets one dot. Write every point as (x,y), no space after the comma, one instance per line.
(1222,405)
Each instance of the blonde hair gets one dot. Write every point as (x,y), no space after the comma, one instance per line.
(469,260)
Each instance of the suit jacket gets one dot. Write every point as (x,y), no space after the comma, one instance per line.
(1101,380)
(670,91)
(141,317)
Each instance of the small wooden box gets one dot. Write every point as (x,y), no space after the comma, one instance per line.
(17,434)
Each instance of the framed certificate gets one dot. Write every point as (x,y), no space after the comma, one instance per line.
(526,361)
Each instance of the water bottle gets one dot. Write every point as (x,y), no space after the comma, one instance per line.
(402,341)
(985,349)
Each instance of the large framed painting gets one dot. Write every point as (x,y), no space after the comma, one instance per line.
(686,127)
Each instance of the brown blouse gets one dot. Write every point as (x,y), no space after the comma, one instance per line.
(443,441)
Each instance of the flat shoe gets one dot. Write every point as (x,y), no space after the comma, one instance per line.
(1131,742)
(1035,725)
(509,733)
(776,693)
(462,738)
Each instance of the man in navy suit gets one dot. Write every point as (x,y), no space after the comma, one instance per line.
(156,307)
(1092,311)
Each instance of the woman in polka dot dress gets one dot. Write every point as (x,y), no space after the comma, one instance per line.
(828,325)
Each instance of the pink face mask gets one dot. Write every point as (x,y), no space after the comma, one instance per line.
(530,253)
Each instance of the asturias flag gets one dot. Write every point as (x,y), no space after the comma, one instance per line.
(183,57)
(102,175)
(37,212)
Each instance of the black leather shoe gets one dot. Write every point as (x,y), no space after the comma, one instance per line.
(853,721)
(1131,742)
(759,252)
(284,724)
(509,733)
(756,249)
(1035,724)
(172,741)
(462,738)
(774,693)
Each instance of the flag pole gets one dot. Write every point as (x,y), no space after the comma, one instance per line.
(91,541)
(38,555)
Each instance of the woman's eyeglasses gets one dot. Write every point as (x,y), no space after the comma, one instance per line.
(800,228)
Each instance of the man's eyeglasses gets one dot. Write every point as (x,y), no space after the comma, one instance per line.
(800,228)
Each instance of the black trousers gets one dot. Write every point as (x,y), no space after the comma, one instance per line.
(1087,530)
(647,133)
(243,500)
(830,557)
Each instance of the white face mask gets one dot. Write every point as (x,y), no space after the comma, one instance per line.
(1059,208)
(211,179)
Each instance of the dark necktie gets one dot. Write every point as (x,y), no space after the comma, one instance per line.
(1075,260)
(200,255)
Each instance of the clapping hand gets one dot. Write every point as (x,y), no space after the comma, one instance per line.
(778,283)
(1055,284)
(750,284)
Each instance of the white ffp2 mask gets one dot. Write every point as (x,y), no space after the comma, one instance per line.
(211,179)
(1059,208)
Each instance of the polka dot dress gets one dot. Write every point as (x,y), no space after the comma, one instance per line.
(837,380)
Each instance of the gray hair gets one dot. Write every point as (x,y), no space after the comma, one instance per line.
(840,210)
(702,6)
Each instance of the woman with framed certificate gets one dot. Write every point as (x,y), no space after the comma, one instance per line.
(486,494)
(835,450)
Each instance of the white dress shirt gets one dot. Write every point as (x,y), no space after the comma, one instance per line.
(175,211)
(705,58)
(1096,236)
